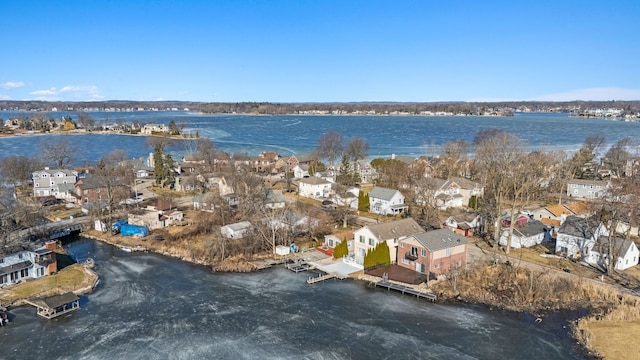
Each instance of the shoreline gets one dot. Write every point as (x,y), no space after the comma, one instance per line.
(536,315)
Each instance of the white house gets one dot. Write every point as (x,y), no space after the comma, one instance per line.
(576,237)
(300,171)
(369,236)
(149,129)
(46,182)
(274,199)
(455,192)
(532,233)
(237,230)
(28,265)
(314,187)
(385,201)
(626,250)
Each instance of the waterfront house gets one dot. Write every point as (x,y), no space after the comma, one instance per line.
(434,252)
(46,182)
(27,264)
(530,234)
(365,171)
(368,237)
(237,230)
(386,201)
(576,237)
(589,189)
(151,129)
(314,187)
(266,162)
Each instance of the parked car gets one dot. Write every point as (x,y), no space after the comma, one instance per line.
(327,202)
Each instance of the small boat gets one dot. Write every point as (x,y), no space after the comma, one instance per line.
(126,248)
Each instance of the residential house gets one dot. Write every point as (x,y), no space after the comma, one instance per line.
(386,201)
(456,192)
(294,222)
(46,182)
(150,129)
(274,199)
(241,160)
(237,230)
(300,171)
(91,190)
(369,236)
(589,189)
(366,172)
(314,187)
(464,223)
(156,216)
(266,162)
(434,252)
(309,159)
(576,237)
(333,240)
(27,264)
(217,182)
(555,212)
(626,251)
(221,159)
(203,203)
(530,234)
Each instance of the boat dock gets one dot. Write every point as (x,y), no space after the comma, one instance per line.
(299,265)
(405,290)
(56,305)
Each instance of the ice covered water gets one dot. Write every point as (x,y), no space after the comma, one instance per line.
(151,307)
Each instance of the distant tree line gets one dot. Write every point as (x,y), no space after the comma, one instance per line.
(268,108)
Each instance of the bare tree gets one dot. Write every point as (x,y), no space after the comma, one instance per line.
(330,146)
(59,152)
(18,169)
(618,155)
(357,149)
(453,160)
(86,121)
(496,159)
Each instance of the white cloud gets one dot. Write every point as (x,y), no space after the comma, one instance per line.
(70,93)
(594,94)
(49,92)
(4,97)
(12,85)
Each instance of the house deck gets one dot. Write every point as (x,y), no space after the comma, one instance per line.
(405,290)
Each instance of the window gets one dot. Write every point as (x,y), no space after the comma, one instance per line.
(458,263)
(372,242)
(424,252)
(361,252)
(401,245)
(331,242)
(405,261)
(448,252)
(362,239)
(437,266)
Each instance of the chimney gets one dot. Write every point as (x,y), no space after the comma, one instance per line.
(50,245)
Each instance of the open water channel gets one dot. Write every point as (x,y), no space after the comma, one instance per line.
(148,306)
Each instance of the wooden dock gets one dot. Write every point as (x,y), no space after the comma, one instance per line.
(313,280)
(299,266)
(405,290)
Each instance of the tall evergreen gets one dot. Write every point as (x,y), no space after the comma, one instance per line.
(341,249)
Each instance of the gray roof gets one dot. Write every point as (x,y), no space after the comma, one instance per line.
(15,267)
(405,158)
(578,227)
(314,180)
(588,182)
(532,228)
(395,229)
(306,157)
(382,193)
(55,301)
(243,225)
(440,239)
(274,197)
(619,244)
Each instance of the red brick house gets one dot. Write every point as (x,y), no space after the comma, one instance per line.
(433,252)
(91,190)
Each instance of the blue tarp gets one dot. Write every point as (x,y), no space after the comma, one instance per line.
(132,230)
(116,226)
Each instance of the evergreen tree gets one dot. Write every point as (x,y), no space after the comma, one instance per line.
(378,256)
(341,250)
(158,163)
(363,201)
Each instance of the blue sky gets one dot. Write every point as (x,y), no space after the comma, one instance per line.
(320,51)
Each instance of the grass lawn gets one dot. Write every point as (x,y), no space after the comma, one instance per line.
(68,279)
(616,339)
